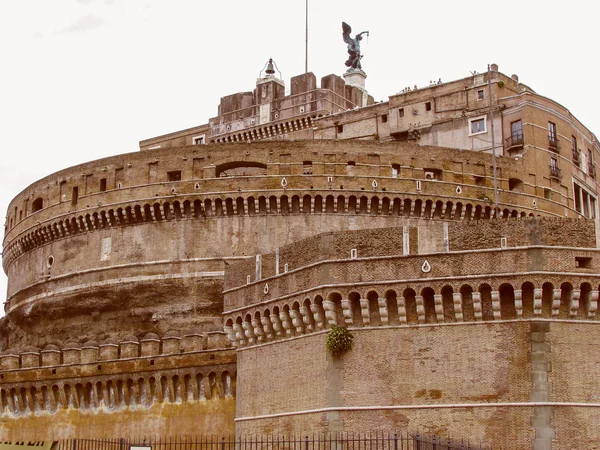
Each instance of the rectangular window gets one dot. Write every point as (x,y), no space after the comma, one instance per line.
(576,159)
(75,195)
(340,128)
(516,130)
(384,118)
(174,175)
(198,140)
(477,126)
(395,170)
(552,131)
(428,106)
(480,94)
(401,112)
(590,162)
(103,185)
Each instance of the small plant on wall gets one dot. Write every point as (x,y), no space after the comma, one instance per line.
(339,340)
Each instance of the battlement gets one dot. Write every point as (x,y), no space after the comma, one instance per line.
(114,375)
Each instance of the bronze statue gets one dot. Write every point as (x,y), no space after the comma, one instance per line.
(353,46)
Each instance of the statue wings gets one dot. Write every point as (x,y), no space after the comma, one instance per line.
(346,30)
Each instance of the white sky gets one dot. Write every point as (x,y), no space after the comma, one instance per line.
(84,79)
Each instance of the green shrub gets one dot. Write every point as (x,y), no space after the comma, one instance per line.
(339,340)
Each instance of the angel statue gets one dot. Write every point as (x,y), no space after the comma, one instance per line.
(353,46)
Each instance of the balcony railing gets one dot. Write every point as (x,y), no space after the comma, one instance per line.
(553,144)
(514,141)
(555,172)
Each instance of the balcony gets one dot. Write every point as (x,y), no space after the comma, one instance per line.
(514,142)
(555,172)
(553,144)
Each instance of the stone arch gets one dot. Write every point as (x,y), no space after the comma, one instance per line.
(374,205)
(335,313)
(363,205)
(218,207)
(227,384)
(374,313)
(352,205)
(485,290)
(200,386)
(307,315)
(329,204)
(385,206)
(428,214)
(418,207)
(469,211)
(212,383)
(478,215)
(584,301)
(306,204)
(295,204)
(429,305)
(318,204)
(341,204)
(239,206)
(391,299)
(448,303)
(409,295)
(229,206)
(273,204)
(507,301)
(262,205)
(188,387)
(566,290)
(458,212)
(177,396)
(527,299)
(284,204)
(547,299)
(355,309)
(252,211)
(439,207)
(406,208)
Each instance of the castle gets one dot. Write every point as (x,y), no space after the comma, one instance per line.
(188,287)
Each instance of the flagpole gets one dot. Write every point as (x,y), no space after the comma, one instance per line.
(306,42)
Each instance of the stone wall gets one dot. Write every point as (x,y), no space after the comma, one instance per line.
(393,379)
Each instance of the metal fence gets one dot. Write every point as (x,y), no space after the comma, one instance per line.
(326,441)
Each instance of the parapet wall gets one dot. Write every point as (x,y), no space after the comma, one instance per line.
(120,382)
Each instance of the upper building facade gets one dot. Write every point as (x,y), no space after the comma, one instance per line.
(560,151)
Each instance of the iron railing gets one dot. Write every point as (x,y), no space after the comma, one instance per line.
(514,141)
(555,172)
(322,441)
(553,144)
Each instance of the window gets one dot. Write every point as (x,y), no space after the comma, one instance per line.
(516,131)
(174,175)
(307,168)
(102,184)
(198,140)
(477,125)
(75,195)
(583,262)
(552,132)
(554,169)
(384,118)
(395,170)
(428,106)
(37,204)
(576,160)
(340,128)
(401,112)
(590,163)
(480,94)
(584,201)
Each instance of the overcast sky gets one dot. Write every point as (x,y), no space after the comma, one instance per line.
(84,79)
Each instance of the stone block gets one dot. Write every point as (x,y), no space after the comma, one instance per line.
(9,361)
(216,339)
